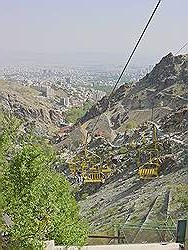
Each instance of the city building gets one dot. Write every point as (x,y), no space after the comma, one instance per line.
(65,101)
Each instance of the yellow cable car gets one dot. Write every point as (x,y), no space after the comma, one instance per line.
(73,169)
(90,167)
(149,168)
(93,177)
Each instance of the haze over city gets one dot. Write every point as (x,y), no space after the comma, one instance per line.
(89,32)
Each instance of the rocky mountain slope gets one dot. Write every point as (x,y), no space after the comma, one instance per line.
(127,120)
(126,124)
(125,198)
(160,92)
(28,104)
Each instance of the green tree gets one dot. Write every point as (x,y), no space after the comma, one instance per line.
(36,198)
(77,112)
(130,125)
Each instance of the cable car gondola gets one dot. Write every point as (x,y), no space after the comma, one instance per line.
(148,160)
(89,167)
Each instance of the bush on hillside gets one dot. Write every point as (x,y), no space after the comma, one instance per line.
(37,200)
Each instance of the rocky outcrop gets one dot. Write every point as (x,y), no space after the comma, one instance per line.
(125,198)
(14,105)
(27,104)
(164,87)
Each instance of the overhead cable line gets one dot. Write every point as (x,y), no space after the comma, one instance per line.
(181,48)
(127,63)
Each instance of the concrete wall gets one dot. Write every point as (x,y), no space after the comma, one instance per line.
(155,246)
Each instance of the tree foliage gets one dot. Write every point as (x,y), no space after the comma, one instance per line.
(36,198)
(77,112)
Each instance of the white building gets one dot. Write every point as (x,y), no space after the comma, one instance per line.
(65,101)
(47,91)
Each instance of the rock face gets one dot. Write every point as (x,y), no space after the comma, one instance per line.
(160,100)
(162,90)
(125,198)
(26,103)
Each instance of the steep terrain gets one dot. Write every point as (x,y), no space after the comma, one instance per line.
(160,100)
(124,196)
(125,125)
(160,92)
(28,104)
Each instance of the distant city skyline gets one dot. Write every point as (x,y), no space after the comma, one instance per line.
(89,32)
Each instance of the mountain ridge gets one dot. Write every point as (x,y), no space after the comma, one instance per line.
(165,86)
(125,198)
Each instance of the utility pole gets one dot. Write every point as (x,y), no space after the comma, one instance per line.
(117,235)
(186,238)
(152,110)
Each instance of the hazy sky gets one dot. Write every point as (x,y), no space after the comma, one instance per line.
(108,28)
